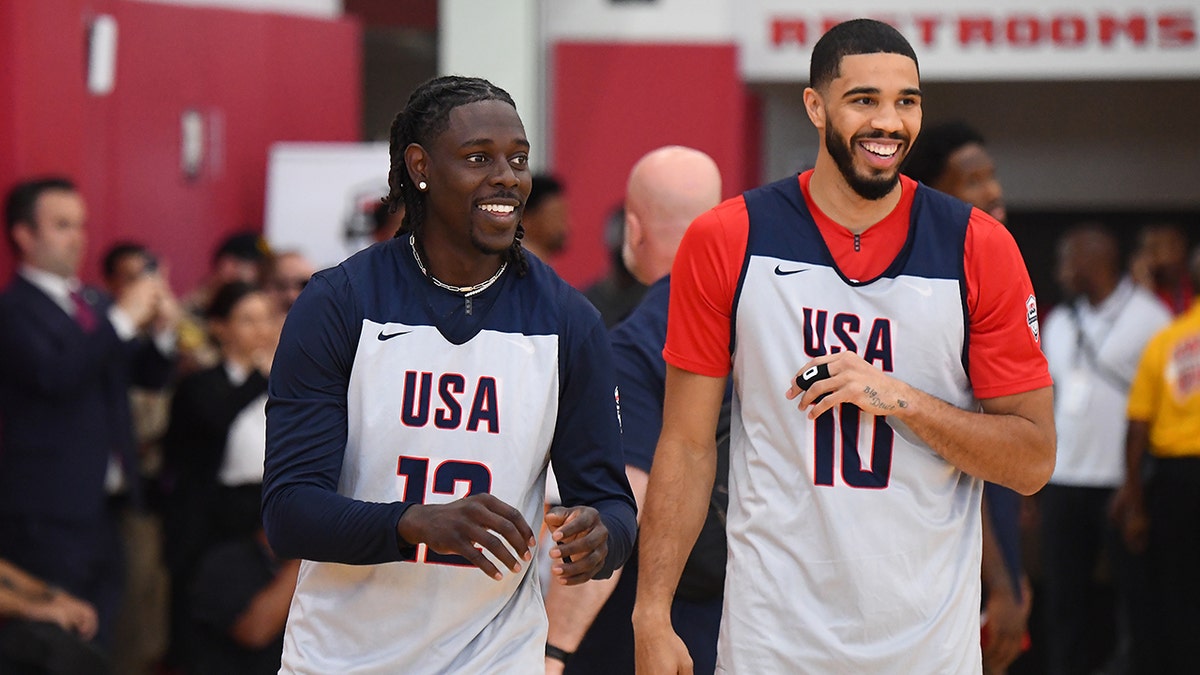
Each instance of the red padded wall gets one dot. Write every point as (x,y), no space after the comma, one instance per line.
(612,103)
(256,78)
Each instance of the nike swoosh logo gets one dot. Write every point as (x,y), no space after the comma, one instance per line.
(388,336)
(783,273)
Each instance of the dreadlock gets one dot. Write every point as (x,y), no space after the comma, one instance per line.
(426,115)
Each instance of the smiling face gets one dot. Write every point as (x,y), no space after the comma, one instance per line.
(970,175)
(868,117)
(477,172)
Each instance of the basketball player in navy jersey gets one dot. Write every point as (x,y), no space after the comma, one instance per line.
(419,392)
(854,506)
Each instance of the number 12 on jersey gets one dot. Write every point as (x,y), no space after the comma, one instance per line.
(446,477)
(826,435)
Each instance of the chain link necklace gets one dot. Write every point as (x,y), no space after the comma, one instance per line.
(465,291)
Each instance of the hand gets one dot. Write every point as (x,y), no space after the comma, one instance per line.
(659,651)
(1128,512)
(581,543)
(1004,631)
(554,666)
(851,380)
(70,613)
(139,299)
(167,311)
(467,526)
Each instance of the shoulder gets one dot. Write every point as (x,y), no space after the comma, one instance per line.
(648,321)
(542,288)
(1148,308)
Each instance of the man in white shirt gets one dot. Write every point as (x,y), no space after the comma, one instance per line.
(1092,342)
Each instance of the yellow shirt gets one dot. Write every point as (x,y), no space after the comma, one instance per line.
(1166,389)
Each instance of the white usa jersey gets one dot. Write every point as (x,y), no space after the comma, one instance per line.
(433,414)
(860,544)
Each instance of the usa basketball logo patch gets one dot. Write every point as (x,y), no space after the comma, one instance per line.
(617,399)
(1031,318)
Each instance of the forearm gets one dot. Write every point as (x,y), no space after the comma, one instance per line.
(997,578)
(1137,443)
(313,523)
(571,610)
(1011,445)
(266,615)
(676,503)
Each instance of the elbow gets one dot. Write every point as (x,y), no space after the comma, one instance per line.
(1039,470)
(253,634)
(279,537)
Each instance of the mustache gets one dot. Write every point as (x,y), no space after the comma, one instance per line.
(893,136)
(504,194)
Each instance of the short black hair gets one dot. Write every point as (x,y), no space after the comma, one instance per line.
(22,199)
(425,116)
(926,162)
(119,250)
(544,185)
(246,245)
(227,297)
(857,36)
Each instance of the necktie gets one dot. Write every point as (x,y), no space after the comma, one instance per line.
(84,315)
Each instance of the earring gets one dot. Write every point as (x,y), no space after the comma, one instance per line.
(422,185)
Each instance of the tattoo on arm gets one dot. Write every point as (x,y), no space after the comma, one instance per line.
(878,402)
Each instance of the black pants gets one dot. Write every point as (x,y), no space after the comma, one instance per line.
(35,648)
(1087,618)
(84,557)
(1173,505)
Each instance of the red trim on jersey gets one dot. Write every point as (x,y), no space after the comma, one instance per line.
(878,246)
(1005,357)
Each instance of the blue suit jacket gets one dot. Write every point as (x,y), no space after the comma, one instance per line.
(64,404)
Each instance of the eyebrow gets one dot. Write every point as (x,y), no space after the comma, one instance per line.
(487,141)
(874,91)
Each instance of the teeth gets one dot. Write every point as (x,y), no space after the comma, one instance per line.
(496,208)
(881,150)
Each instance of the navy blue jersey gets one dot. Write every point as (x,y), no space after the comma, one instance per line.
(388,391)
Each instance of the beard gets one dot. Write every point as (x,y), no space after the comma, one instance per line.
(870,188)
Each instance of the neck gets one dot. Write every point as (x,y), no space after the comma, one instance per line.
(477,284)
(833,195)
(1100,291)
(450,266)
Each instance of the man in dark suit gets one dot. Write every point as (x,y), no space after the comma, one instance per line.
(68,354)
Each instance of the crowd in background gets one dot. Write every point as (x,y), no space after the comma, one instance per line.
(164,402)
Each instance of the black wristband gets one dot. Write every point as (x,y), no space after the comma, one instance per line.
(558,654)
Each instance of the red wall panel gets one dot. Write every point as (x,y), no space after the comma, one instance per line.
(615,102)
(256,78)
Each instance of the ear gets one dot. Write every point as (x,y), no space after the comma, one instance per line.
(416,160)
(814,105)
(23,235)
(219,329)
(633,229)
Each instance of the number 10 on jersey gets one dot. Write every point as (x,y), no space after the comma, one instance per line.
(830,434)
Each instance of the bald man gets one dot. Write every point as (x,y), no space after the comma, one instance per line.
(590,629)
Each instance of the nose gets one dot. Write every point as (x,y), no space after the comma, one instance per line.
(505,175)
(993,190)
(887,119)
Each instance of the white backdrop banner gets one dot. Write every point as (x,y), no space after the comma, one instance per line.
(987,39)
(320,197)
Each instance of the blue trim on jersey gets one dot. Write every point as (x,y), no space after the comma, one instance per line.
(307,415)
(782,226)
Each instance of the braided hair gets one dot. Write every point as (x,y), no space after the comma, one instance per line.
(426,115)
